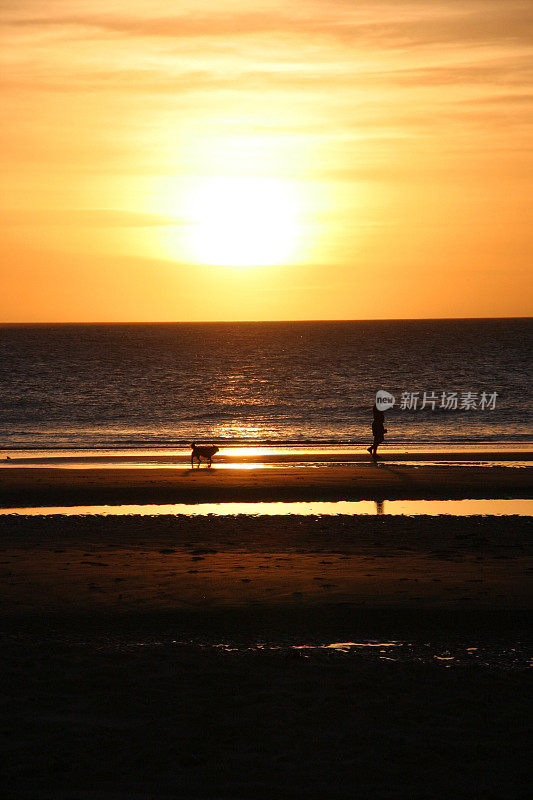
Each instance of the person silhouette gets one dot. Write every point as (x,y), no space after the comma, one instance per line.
(378,431)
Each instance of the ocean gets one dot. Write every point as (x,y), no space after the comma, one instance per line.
(160,386)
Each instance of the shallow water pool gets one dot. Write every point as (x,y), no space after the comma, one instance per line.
(492,507)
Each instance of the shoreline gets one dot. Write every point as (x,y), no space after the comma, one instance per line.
(48,486)
(265,454)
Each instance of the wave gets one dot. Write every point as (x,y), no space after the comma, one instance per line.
(180,444)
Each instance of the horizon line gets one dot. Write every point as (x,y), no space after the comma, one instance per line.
(247,321)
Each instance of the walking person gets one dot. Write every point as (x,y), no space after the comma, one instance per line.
(378,431)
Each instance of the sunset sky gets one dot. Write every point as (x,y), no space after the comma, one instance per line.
(310,159)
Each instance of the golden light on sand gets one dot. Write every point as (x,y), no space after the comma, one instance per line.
(242,221)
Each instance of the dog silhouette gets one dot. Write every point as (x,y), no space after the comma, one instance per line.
(202,451)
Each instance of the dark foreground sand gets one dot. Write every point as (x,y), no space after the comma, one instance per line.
(178,563)
(115,686)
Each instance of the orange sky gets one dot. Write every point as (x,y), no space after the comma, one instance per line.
(318,159)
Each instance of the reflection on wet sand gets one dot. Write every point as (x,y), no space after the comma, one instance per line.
(462,508)
(515,656)
(273,456)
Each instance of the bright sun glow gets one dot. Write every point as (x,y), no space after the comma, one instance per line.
(242,222)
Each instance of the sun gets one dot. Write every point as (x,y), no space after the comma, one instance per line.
(242,221)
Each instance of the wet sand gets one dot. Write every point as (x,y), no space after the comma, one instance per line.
(115,685)
(23,486)
(119,564)
(269,454)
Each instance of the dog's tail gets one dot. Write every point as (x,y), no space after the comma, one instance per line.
(193,444)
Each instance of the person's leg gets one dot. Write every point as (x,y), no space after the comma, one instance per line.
(377,441)
(375,447)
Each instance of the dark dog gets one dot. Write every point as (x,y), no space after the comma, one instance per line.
(202,451)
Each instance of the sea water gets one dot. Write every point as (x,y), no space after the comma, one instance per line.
(160,386)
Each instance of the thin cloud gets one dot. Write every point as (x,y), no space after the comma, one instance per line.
(88,217)
(411,24)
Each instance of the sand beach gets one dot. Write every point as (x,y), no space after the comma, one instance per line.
(26,486)
(176,656)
